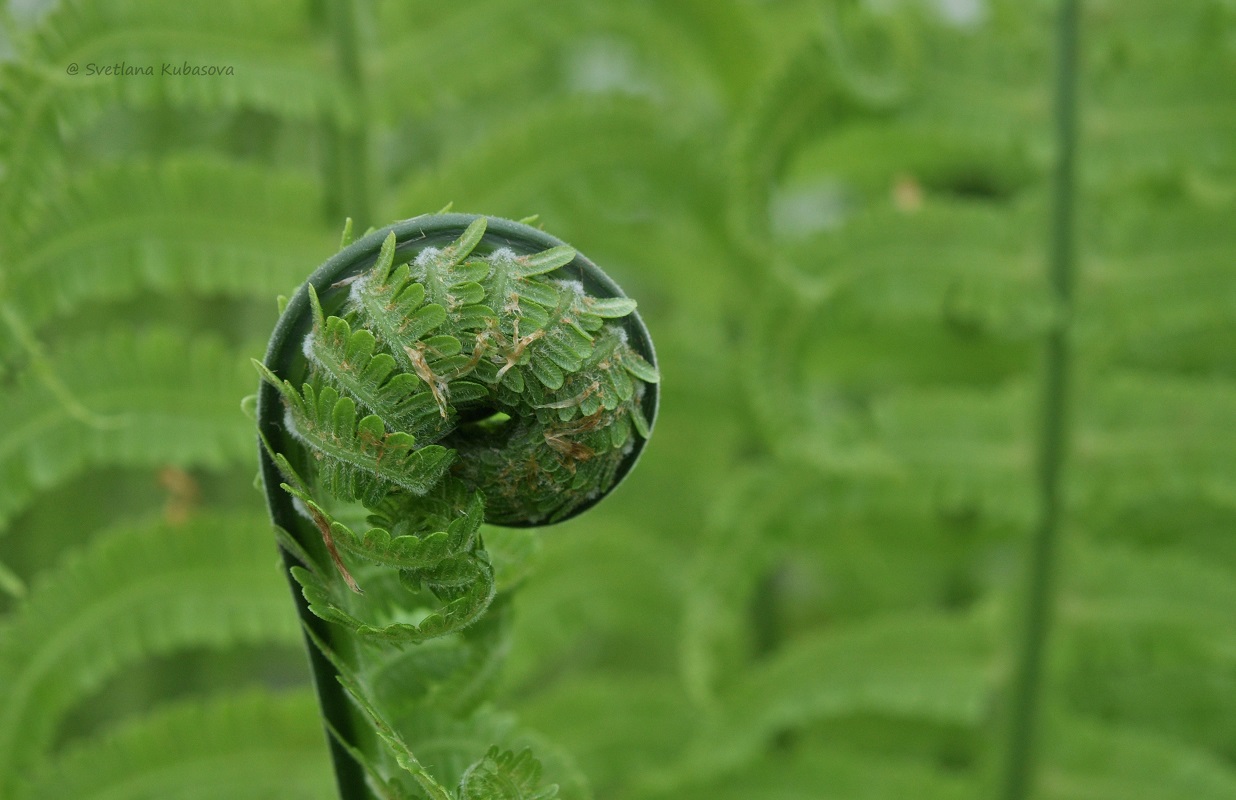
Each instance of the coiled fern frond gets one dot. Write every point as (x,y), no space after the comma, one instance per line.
(449,371)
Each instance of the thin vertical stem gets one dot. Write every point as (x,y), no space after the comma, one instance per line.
(349,139)
(1027,685)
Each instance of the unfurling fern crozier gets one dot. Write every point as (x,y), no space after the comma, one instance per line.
(473,369)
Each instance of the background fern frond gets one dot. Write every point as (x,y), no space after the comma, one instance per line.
(110,234)
(274,60)
(137,592)
(168,399)
(1094,761)
(845,773)
(877,668)
(250,745)
(550,141)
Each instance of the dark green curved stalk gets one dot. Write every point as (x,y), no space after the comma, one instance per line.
(1028,679)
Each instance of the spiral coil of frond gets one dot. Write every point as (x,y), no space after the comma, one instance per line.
(442,383)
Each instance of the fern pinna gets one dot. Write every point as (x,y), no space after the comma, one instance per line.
(446,371)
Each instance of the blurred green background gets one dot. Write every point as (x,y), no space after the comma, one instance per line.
(837,218)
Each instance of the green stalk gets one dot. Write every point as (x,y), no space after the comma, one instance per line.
(348,160)
(1028,680)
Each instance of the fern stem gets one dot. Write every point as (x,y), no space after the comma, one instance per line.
(349,139)
(1028,680)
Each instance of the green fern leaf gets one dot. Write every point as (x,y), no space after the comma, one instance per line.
(1092,761)
(407,551)
(370,378)
(599,601)
(244,746)
(642,736)
(166,398)
(475,591)
(930,667)
(80,247)
(1163,434)
(836,767)
(505,776)
(361,459)
(272,66)
(137,592)
(519,167)
(413,45)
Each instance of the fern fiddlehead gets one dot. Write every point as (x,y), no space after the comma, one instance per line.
(443,372)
